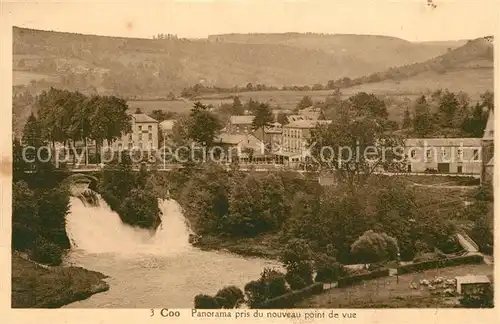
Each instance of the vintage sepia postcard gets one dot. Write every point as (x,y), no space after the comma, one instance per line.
(305,161)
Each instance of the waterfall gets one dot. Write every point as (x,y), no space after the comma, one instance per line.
(94,228)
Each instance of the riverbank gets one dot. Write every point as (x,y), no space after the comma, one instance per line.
(264,246)
(36,286)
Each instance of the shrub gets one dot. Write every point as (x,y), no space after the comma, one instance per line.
(275,282)
(205,302)
(351,280)
(424,257)
(295,281)
(481,299)
(46,252)
(426,265)
(255,291)
(230,297)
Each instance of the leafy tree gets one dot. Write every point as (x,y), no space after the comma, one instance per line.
(447,107)
(368,105)
(160,115)
(230,297)
(237,108)
(282,118)
(297,260)
(32,133)
(203,125)
(52,211)
(24,216)
(355,147)
(407,122)
(263,117)
(374,247)
(305,102)
(140,208)
(423,123)
(205,302)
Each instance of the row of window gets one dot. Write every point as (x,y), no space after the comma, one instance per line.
(292,133)
(150,136)
(444,153)
(150,128)
(139,145)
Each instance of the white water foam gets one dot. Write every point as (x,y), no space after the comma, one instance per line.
(100,230)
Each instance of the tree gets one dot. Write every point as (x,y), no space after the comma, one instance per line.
(263,117)
(407,122)
(237,109)
(202,301)
(140,208)
(230,297)
(447,107)
(423,123)
(355,147)
(297,259)
(305,102)
(368,105)
(203,125)
(32,133)
(282,118)
(374,247)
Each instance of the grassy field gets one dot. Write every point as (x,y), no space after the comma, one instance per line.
(176,106)
(387,292)
(34,286)
(25,77)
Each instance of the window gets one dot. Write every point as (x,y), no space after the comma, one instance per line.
(129,137)
(428,153)
(150,137)
(460,154)
(130,145)
(140,128)
(413,153)
(150,128)
(150,144)
(140,137)
(443,153)
(140,145)
(475,155)
(408,168)
(459,169)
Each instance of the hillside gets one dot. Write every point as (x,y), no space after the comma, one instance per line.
(381,51)
(476,54)
(149,68)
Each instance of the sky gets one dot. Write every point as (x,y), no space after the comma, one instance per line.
(412,20)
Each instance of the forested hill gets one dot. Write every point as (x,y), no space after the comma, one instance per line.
(475,54)
(381,51)
(154,67)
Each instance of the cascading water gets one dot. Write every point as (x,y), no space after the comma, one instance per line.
(95,228)
(148,269)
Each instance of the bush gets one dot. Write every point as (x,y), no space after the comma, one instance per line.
(46,252)
(230,297)
(295,281)
(256,292)
(482,299)
(351,280)
(424,257)
(426,265)
(205,302)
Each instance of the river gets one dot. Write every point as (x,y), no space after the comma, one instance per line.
(159,271)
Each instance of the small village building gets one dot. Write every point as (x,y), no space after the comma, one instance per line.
(239,125)
(444,155)
(271,136)
(312,113)
(472,284)
(295,142)
(240,147)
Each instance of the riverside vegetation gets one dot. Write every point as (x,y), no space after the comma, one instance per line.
(364,218)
